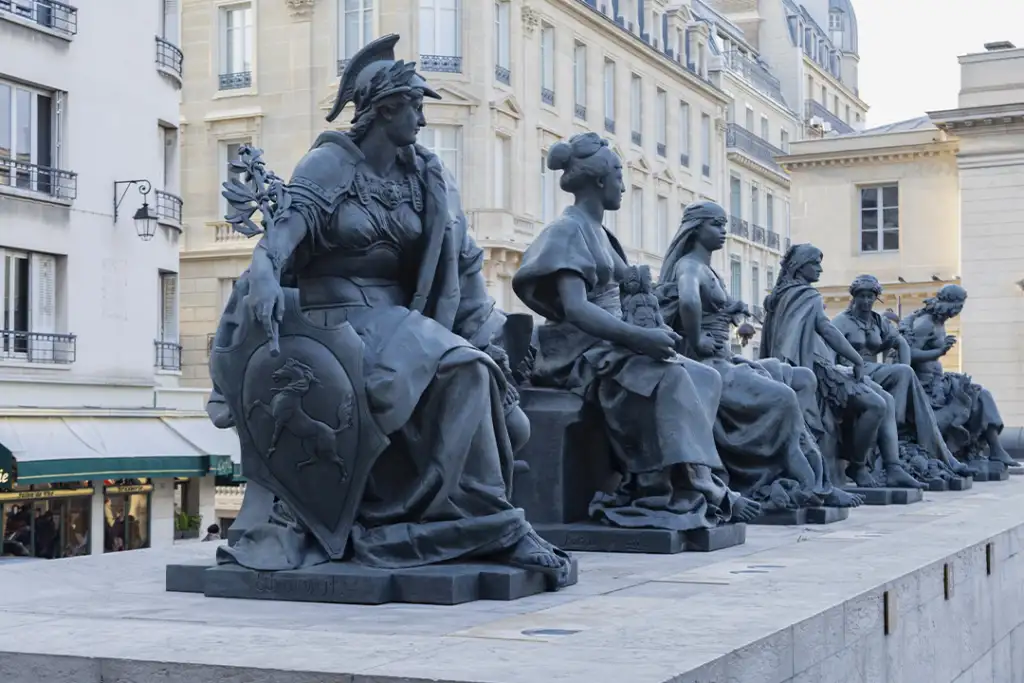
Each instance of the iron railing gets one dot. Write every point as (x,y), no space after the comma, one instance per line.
(773,240)
(502,75)
(342,63)
(449,64)
(580,112)
(762,151)
(235,81)
(547,96)
(46,13)
(52,182)
(609,125)
(169,56)
(705,170)
(168,355)
(168,205)
(757,234)
(814,108)
(739,227)
(684,159)
(754,73)
(662,149)
(637,138)
(38,347)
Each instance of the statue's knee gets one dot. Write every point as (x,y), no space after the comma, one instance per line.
(518,426)
(804,380)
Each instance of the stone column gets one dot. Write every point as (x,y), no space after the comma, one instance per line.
(97,520)
(161,513)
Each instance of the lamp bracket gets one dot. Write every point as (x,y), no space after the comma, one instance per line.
(144,189)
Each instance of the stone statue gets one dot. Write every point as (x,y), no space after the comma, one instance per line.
(357,355)
(967,413)
(873,335)
(761,431)
(797,331)
(658,408)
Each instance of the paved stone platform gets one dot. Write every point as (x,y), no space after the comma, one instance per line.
(926,593)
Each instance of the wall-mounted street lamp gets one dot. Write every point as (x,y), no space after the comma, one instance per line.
(145,217)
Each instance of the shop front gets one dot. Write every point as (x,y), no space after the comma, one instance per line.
(46,521)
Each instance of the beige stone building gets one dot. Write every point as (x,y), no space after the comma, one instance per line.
(933,200)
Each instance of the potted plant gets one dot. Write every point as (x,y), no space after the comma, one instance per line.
(186,526)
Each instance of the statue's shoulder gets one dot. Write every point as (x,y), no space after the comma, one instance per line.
(328,168)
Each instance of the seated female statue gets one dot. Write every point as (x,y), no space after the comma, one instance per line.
(659,409)
(797,331)
(872,335)
(760,429)
(373,235)
(968,415)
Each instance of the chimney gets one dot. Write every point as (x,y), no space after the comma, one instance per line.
(999,45)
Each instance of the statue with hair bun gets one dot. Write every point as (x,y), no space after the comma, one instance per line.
(967,413)
(658,407)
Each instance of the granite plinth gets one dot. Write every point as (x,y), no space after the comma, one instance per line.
(887,496)
(599,538)
(987,470)
(817,515)
(354,584)
(953,484)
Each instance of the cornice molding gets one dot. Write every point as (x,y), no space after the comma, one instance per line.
(739,158)
(868,156)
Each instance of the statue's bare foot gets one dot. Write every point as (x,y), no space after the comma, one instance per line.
(861,476)
(839,498)
(998,454)
(959,468)
(746,510)
(898,478)
(535,554)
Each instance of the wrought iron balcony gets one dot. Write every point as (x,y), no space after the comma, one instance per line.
(757,234)
(609,125)
(773,240)
(46,13)
(502,75)
(815,109)
(739,227)
(662,149)
(37,347)
(50,182)
(169,57)
(342,63)
(168,355)
(580,112)
(235,81)
(449,64)
(168,206)
(754,73)
(547,96)
(684,159)
(739,138)
(705,170)
(637,138)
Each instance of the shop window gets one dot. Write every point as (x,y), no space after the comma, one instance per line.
(126,508)
(46,521)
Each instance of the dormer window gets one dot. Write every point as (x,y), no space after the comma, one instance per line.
(835,21)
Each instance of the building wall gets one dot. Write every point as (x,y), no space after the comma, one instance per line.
(103,285)
(294,80)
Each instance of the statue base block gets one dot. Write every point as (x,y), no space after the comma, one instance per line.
(986,470)
(598,538)
(351,583)
(887,496)
(799,516)
(954,484)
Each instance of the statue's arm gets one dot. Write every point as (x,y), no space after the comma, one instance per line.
(925,347)
(688,285)
(835,339)
(590,317)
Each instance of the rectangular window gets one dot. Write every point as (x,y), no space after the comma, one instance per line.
(503,41)
(879,218)
(355,26)
(824,97)
(766,134)
(440,28)
(609,95)
(446,143)
(735,277)
(661,121)
(684,134)
(735,196)
(835,105)
(547,65)
(769,279)
(168,331)
(755,204)
(636,108)
(810,86)
(636,207)
(579,80)
(662,223)
(28,290)
(784,140)
(502,175)
(230,151)
(847,117)
(749,120)
(169,149)
(29,135)
(705,143)
(755,284)
(237,43)
(547,190)
(169,30)
(769,208)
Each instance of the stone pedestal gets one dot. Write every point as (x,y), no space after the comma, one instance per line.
(987,470)
(820,515)
(954,484)
(350,583)
(594,537)
(887,496)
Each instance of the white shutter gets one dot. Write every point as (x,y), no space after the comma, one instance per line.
(169,307)
(42,306)
(58,132)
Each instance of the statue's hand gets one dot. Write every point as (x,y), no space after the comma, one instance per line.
(707,345)
(858,370)
(266,301)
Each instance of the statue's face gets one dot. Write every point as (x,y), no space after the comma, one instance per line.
(403,120)
(863,301)
(956,309)
(612,188)
(711,233)
(810,271)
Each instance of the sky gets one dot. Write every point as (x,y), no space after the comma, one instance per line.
(909,50)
